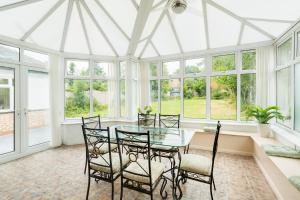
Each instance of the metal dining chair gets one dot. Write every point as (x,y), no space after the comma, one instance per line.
(105,167)
(197,167)
(148,120)
(141,174)
(94,122)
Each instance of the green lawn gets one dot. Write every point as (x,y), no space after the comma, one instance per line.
(196,108)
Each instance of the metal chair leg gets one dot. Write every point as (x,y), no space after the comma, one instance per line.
(112,191)
(211,194)
(213,180)
(88,189)
(121,193)
(85,165)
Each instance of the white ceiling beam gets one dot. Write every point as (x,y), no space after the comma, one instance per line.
(135,4)
(143,39)
(163,13)
(242,20)
(204,10)
(158,4)
(270,20)
(112,19)
(241,34)
(174,31)
(139,25)
(89,12)
(66,26)
(18,4)
(155,49)
(84,27)
(39,23)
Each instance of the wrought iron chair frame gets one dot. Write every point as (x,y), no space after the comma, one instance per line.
(132,140)
(99,175)
(183,175)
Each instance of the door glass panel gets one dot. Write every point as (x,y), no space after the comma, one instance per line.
(7,110)
(38,108)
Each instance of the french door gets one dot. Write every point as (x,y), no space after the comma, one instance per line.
(24,110)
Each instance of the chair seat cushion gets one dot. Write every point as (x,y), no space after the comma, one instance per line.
(103,148)
(157,169)
(196,164)
(104,161)
(161,147)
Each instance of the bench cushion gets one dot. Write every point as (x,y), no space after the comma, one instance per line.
(295,180)
(281,151)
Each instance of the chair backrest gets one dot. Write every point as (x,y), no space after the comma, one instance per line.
(146,119)
(91,122)
(169,121)
(215,146)
(135,140)
(94,139)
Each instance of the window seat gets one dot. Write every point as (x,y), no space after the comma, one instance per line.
(277,170)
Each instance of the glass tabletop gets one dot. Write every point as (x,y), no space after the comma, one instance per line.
(172,137)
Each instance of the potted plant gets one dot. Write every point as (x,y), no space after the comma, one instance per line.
(263,116)
(147,110)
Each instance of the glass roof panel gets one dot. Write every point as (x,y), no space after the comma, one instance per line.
(223,29)
(150,52)
(273,28)
(152,20)
(270,9)
(75,33)
(8,2)
(118,40)
(15,22)
(190,24)
(99,45)
(164,38)
(250,36)
(55,22)
(123,12)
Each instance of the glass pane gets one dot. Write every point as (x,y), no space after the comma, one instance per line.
(101,97)
(223,62)
(38,108)
(7,113)
(36,58)
(170,96)
(194,66)
(77,68)
(9,53)
(297,97)
(194,91)
(249,60)
(284,94)
(223,97)
(298,44)
(103,69)
(123,69)
(77,101)
(122,98)
(154,95)
(285,52)
(248,92)
(171,68)
(153,69)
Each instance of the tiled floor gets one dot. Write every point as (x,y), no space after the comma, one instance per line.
(58,174)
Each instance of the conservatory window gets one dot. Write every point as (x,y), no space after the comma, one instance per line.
(298,44)
(9,53)
(153,69)
(223,62)
(79,68)
(284,94)
(171,68)
(154,96)
(35,58)
(194,92)
(297,97)
(285,52)
(122,89)
(248,60)
(223,97)
(170,96)
(194,66)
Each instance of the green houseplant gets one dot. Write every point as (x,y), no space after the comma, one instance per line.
(263,116)
(147,110)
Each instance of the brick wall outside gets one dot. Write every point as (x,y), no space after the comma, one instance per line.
(36,119)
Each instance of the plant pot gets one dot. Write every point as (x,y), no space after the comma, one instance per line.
(263,130)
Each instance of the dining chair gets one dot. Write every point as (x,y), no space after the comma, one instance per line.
(141,174)
(105,167)
(94,122)
(148,120)
(197,167)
